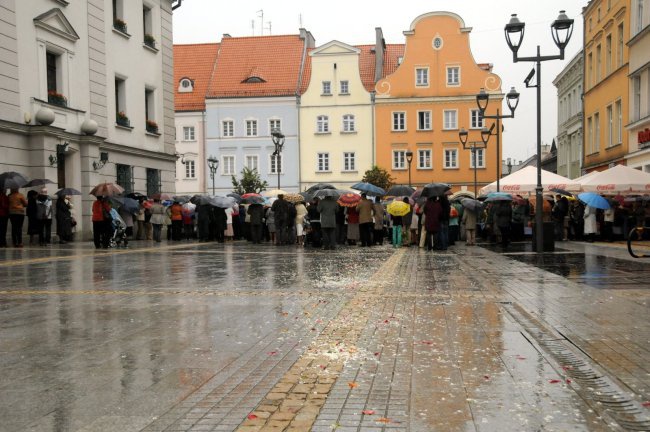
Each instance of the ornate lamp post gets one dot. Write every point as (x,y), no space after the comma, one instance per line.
(474,146)
(278,142)
(213,164)
(561,30)
(482,101)
(409,159)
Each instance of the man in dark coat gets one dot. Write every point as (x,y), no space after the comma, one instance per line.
(281,213)
(432,213)
(327,208)
(256,212)
(503,217)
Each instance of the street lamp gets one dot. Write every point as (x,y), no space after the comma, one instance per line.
(278,142)
(213,164)
(561,30)
(409,159)
(482,101)
(474,146)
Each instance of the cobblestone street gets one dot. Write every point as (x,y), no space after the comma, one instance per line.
(207,337)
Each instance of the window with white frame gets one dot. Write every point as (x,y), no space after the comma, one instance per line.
(476,119)
(327,88)
(399,159)
(323,162)
(274,124)
(322,124)
(252,162)
(453,75)
(619,122)
(399,121)
(228,128)
(480,158)
(424,120)
(450,119)
(188,133)
(639,16)
(345,87)
(599,65)
(251,127)
(422,76)
(349,123)
(636,98)
(590,135)
(349,162)
(228,165)
(190,169)
(610,126)
(424,159)
(608,54)
(451,158)
(597,131)
(275,164)
(620,45)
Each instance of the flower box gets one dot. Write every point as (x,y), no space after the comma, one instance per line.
(119,25)
(122,120)
(150,41)
(152,126)
(56,98)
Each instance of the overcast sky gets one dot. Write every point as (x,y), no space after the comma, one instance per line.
(353,22)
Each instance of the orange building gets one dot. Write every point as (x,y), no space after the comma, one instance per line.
(422,106)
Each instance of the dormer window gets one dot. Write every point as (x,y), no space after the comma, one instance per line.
(253,79)
(185,85)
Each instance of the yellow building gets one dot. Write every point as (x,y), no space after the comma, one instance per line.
(606,33)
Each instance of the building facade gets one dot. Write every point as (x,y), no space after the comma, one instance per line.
(638,129)
(87,95)
(421,107)
(605,104)
(253,91)
(569,118)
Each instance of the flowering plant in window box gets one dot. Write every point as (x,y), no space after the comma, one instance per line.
(152,126)
(150,41)
(56,98)
(122,120)
(120,25)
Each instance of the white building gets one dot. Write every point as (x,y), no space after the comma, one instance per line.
(569,122)
(69,68)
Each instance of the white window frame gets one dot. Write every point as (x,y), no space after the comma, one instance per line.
(226,169)
(349,123)
(189,133)
(619,121)
(590,135)
(480,158)
(453,78)
(272,159)
(225,132)
(597,131)
(447,162)
(190,169)
(610,125)
(450,126)
(426,124)
(251,128)
(399,160)
(349,162)
(344,87)
(272,122)
(252,158)
(326,88)
(395,119)
(422,76)
(422,157)
(322,124)
(323,162)
(475,119)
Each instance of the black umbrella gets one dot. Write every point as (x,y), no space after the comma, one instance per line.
(67,191)
(400,190)
(472,204)
(38,182)
(561,192)
(236,196)
(324,193)
(136,195)
(320,186)
(200,199)
(12,180)
(435,189)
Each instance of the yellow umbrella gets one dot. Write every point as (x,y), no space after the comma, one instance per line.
(274,193)
(398,208)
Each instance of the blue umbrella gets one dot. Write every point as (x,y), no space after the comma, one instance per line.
(498,196)
(369,188)
(594,200)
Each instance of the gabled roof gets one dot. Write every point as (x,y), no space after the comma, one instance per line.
(55,22)
(196,62)
(275,59)
(392,58)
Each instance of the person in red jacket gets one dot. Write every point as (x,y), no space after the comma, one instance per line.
(176,215)
(101,222)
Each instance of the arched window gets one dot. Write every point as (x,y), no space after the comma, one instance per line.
(185,85)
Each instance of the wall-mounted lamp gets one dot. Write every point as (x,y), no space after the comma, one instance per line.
(61,150)
(103,159)
(181,156)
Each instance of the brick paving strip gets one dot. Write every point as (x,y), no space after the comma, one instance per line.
(295,402)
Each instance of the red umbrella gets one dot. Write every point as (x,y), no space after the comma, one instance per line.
(349,200)
(250,194)
(106,189)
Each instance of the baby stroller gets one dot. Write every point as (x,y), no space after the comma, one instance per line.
(118,237)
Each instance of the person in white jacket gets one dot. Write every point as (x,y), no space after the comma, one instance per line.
(591,227)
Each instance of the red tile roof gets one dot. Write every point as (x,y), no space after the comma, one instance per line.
(274,59)
(196,62)
(391,58)
(367,66)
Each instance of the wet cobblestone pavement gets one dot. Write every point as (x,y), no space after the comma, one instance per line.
(207,337)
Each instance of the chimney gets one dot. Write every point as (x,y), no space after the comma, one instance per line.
(380,50)
(226,35)
(306,35)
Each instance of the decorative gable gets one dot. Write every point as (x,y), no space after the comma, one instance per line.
(335,48)
(55,22)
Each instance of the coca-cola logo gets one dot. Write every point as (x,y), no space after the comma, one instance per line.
(605,187)
(511,187)
(557,186)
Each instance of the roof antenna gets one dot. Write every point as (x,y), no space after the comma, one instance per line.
(260,13)
(269,27)
(300,19)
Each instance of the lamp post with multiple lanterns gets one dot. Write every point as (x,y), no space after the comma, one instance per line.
(213,164)
(561,31)
(278,142)
(409,159)
(474,146)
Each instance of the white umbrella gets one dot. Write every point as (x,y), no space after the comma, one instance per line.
(525,181)
(619,179)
